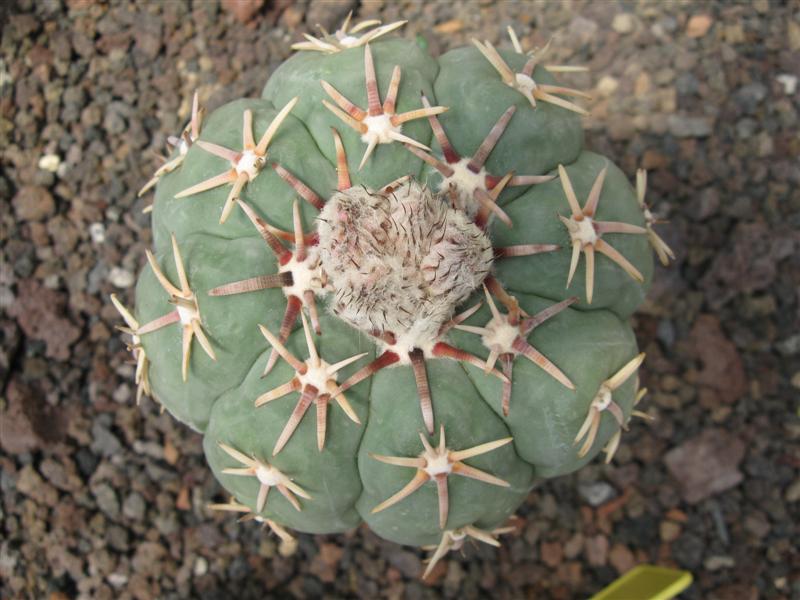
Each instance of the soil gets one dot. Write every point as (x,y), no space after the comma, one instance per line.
(105,499)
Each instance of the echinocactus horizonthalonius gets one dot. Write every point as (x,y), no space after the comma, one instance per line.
(422,250)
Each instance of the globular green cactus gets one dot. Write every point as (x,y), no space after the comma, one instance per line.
(422,250)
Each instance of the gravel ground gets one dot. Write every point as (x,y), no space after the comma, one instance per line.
(104,499)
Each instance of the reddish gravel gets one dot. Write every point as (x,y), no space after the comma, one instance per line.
(104,499)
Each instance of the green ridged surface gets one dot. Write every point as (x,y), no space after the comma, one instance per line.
(535,141)
(292,147)
(535,217)
(589,343)
(301,74)
(393,429)
(330,477)
(230,323)
(545,415)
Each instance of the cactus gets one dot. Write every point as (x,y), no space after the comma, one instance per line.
(422,243)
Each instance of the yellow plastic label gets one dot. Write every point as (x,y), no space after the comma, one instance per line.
(647,582)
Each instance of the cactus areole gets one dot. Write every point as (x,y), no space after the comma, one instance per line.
(422,250)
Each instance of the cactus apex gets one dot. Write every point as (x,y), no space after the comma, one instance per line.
(436,464)
(246,164)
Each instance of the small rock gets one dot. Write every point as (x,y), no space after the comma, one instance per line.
(182,502)
(551,553)
(104,442)
(97,232)
(148,38)
(795,381)
(405,562)
(698,25)
(669,531)
(765,146)
(134,507)
(757,524)
(59,476)
(325,564)
(789,346)
(706,464)
(667,24)
(683,126)
(117,580)
(449,27)
(200,567)
(607,85)
(292,17)
(715,563)
(107,500)
(453,579)
(582,30)
(122,394)
(50,162)
(794,35)
(596,493)
(666,333)
(17,430)
(30,483)
(687,84)
(623,23)
(621,558)
(621,128)
(789,83)
(793,492)
(708,204)
(33,203)
(643,85)
(148,558)
(596,550)
(688,550)
(170,452)
(573,546)
(63,561)
(39,314)
(748,97)
(121,278)
(243,10)
(721,365)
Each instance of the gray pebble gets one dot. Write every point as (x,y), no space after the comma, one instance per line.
(134,506)
(107,500)
(596,493)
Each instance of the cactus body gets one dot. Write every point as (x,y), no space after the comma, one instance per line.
(394,290)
